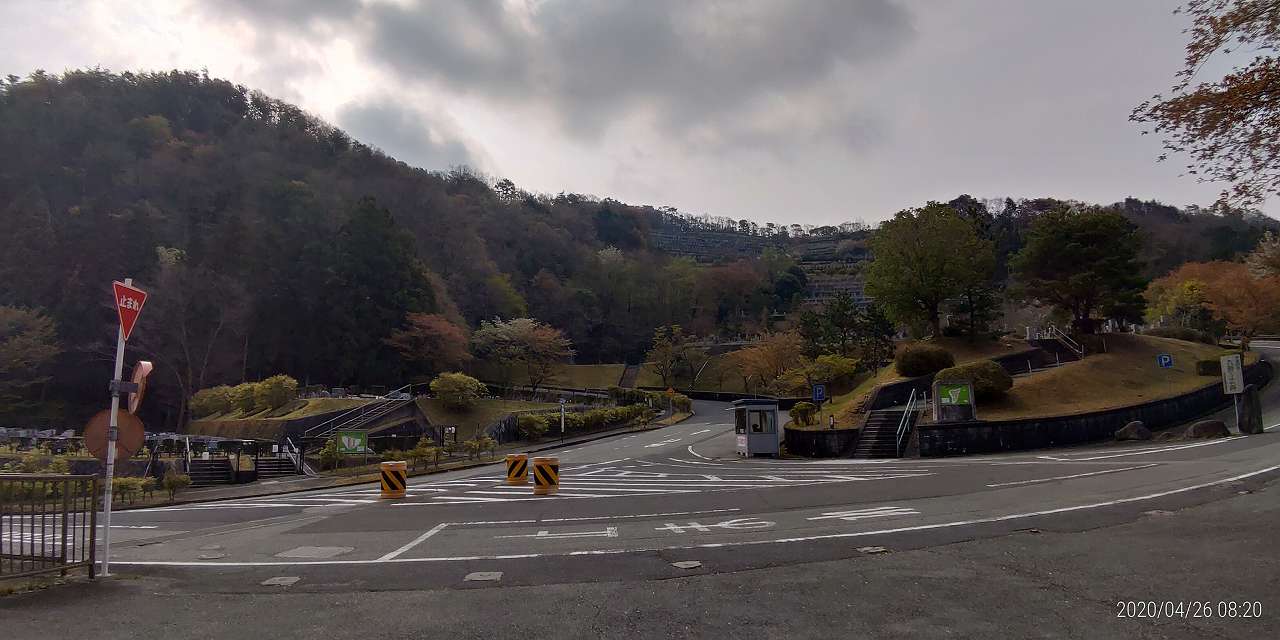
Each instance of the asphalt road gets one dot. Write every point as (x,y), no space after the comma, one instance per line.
(631,508)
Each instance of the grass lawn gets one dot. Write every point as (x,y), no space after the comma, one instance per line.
(1127,374)
(961,348)
(262,425)
(719,375)
(485,413)
(316,406)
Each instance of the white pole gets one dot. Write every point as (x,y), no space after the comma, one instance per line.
(1235,404)
(562,419)
(111,450)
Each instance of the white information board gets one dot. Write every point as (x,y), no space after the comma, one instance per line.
(1232,374)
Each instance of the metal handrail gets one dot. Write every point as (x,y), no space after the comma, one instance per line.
(905,423)
(358,409)
(1056,333)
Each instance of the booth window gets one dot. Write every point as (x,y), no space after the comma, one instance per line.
(740,421)
(760,422)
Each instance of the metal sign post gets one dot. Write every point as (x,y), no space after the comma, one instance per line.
(129,303)
(1233,381)
(562,419)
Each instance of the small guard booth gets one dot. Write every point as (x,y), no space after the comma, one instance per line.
(756,427)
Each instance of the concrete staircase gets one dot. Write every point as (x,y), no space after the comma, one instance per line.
(275,468)
(879,437)
(206,473)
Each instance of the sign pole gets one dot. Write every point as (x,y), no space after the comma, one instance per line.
(562,419)
(112,427)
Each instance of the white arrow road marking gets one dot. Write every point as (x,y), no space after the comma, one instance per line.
(662,442)
(608,532)
(736,523)
(862,514)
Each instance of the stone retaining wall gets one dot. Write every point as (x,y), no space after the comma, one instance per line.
(1038,433)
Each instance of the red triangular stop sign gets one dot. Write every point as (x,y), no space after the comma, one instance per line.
(129,303)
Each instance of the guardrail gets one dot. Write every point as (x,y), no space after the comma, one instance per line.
(1057,334)
(48,523)
(328,427)
(904,425)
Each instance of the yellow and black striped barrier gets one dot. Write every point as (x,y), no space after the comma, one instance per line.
(393,479)
(546,476)
(517,468)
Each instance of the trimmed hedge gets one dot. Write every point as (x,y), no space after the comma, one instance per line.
(923,359)
(624,397)
(989,379)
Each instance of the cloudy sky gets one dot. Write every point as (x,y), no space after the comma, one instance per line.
(811,111)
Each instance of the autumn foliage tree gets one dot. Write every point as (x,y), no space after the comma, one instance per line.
(431,343)
(523,343)
(770,357)
(1247,303)
(1230,127)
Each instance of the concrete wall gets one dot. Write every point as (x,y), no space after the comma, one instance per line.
(1038,433)
(825,443)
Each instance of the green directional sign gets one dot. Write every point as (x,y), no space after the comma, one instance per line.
(954,394)
(353,442)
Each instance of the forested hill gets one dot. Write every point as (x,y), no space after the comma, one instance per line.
(274,243)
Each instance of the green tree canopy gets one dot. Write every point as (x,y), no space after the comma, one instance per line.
(28,345)
(924,257)
(1082,261)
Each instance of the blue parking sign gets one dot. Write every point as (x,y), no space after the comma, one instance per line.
(1165,361)
(819,393)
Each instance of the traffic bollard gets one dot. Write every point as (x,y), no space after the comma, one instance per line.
(393,479)
(517,468)
(546,476)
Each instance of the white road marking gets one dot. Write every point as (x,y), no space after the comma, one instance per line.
(1145,451)
(607,532)
(862,514)
(697,432)
(663,442)
(415,542)
(734,524)
(695,453)
(941,525)
(1274,426)
(1074,475)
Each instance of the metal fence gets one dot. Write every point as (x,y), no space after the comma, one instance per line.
(48,523)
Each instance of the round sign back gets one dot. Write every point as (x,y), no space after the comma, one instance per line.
(129,437)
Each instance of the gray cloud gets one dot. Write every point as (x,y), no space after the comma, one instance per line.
(710,72)
(407,134)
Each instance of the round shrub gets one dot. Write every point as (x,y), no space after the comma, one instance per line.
(802,413)
(457,390)
(989,379)
(923,359)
